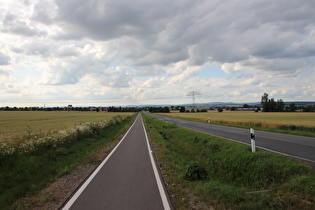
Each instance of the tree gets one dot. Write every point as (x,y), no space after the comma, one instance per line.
(220,109)
(270,105)
(182,109)
(292,107)
(264,102)
(279,106)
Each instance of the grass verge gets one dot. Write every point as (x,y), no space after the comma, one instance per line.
(226,174)
(23,174)
(294,129)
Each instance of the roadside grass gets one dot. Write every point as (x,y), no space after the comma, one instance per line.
(226,174)
(23,174)
(297,123)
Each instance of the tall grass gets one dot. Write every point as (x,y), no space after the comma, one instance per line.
(230,175)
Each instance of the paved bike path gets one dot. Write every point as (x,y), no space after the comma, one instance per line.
(126,179)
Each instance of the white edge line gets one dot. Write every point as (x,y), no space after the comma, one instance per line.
(165,201)
(260,147)
(87,182)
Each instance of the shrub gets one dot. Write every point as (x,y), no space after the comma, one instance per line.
(194,171)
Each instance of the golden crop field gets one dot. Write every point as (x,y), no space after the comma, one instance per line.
(267,119)
(17,123)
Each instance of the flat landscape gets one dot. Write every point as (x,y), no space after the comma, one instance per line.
(267,118)
(291,121)
(14,124)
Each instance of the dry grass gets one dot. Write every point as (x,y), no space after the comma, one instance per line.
(17,123)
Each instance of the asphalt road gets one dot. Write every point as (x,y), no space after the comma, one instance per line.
(298,147)
(127,179)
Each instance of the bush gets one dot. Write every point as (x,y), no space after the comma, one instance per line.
(194,171)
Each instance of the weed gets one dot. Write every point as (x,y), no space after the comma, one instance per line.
(194,171)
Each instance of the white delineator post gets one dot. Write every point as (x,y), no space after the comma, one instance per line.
(252,140)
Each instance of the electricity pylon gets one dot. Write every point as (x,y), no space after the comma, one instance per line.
(193,94)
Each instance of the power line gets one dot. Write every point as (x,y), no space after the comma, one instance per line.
(193,94)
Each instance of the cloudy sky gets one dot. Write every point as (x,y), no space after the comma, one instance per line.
(120,52)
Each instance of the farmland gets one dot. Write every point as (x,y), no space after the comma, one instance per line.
(298,121)
(16,123)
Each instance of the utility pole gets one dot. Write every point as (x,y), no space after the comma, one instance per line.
(193,94)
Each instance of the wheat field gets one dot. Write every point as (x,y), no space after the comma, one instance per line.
(18,123)
(267,119)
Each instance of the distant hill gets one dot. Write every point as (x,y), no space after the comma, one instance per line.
(297,103)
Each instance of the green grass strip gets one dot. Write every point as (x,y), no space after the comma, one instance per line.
(23,174)
(226,174)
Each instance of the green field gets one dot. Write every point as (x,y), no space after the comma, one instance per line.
(289,121)
(14,124)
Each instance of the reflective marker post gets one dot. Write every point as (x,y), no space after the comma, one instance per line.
(252,140)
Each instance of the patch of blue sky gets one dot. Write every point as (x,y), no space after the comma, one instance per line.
(23,72)
(215,71)
(121,64)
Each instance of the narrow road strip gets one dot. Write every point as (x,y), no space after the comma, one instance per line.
(164,197)
(127,179)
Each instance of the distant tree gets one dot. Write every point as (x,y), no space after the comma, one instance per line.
(233,108)
(270,105)
(279,106)
(264,102)
(309,108)
(292,107)
(245,106)
(182,109)
(220,109)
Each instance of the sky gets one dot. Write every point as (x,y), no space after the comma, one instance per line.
(121,52)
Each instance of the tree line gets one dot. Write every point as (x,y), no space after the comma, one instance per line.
(271,105)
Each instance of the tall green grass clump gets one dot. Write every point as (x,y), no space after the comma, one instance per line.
(25,171)
(228,175)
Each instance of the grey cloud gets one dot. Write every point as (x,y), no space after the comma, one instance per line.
(152,35)
(66,51)
(45,11)
(40,48)
(117,77)
(46,49)
(4,59)
(17,25)
(225,31)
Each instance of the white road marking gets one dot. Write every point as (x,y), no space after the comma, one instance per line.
(165,201)
(87,182)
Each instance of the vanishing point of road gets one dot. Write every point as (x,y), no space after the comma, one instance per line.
(127,179)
